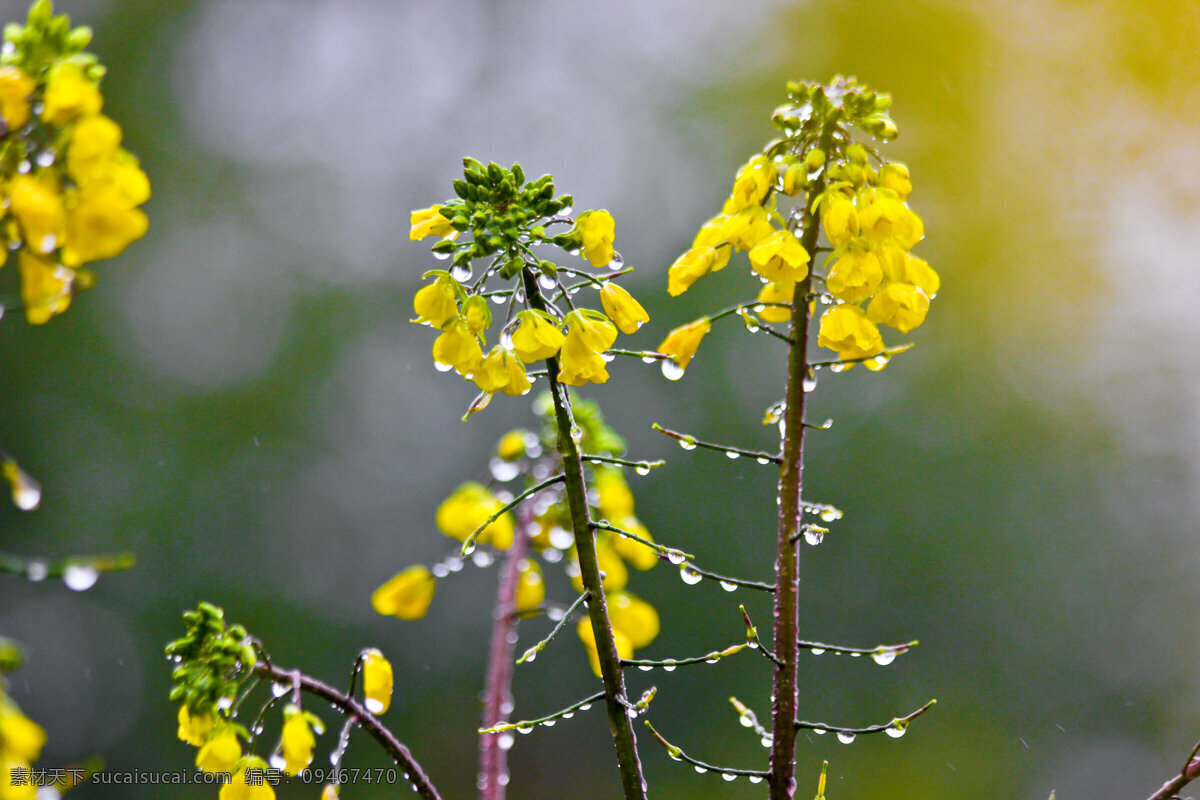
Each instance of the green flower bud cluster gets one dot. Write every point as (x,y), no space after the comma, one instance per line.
(212,660)
(596,435)
(45,39)
(498,207)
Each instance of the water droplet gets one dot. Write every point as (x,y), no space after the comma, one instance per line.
(441,256)
(648,359)
(820,731)
(753,645)
(643,468)
(482,558)
(883,657)
(524,728)
(762,460)
(676,557)
(616,263)
(645,667)
(502,779)
(585,706)
(454,563)
(816,651)
(225,703)
(767,741)
(690,576)
(670,370)
(502,470)
(439,570)
(809,383)
(755,778)
(701,769)
(549,723)
(568,715)
(26,493)
(728,776)
(856,655)
(279,689)
(895,731)
(440,367)
(669,665)
(814,535)
(632,713)
(277,761)
(687,443)
(846,737)
(36,571)
(747,719)
(880,361)
(24,167)
(45,158)
(561,538)
(373,705)
(467,549)
(831,514)
(840,367)
(730,454)
(499,299)
(729,587)
(460,273)
(547,283)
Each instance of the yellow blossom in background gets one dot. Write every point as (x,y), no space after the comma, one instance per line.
(778,292)
(429,222)
(588,637)
(615,499)
(780,257)
(597,232)
(855,276)
(918,272)
(637,554)
(634,617)
(900,305)
(909,230)
(194,730)
(10,788)
(752,184)
(437,303)
(69,94)
(15,88)
(100,224)
(330,792)
(220,751)
(468,507)
(615,574)
(377,681)
(531,587)
(840,219)
(626,312)
(537,336)
(682,342)
(894,176)
(37,205)
(21,738)
(296,741)
(458,348)
(512,445)
(240,788)
(503,372)
(45,287)
(846,329)
(406,595)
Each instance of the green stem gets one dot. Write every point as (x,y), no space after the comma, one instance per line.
(615,697)
(781,777)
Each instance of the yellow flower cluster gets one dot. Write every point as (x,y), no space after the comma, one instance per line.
(21,742)
(868,222)
(217,738)
(73,197)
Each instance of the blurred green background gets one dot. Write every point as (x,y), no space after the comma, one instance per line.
(243,402)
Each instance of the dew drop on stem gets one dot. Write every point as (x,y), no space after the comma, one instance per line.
(690,576)
(883,658)
(845,737)
(670,370)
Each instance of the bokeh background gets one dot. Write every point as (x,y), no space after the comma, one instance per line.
(243,402)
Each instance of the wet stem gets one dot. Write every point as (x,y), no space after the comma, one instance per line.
(615,697)
(781,777)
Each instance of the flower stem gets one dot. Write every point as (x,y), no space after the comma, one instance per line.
(781,777)
(497,691)
(630,765)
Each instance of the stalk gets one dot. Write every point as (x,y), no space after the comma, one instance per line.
(497,692)
(781,777)
(615,698)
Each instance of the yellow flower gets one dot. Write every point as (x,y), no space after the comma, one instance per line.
(330,792)
(593,329)
(692,266)
(918,272)
(248,783)
(579,364)
(778,292)
(893,259)
(682,342)
(795,178)
(537,336)
(10,789)
(406,595)
(45,287)
(437,303)
(634,617)
(846,329)
(118,174)
(840,219)
(615,499)
(531,588)
(711,235)
(637,554)
(377,681)
(100,224)
(15,88)
(296,741)
(194,730)
(894,176)
(752,184)
(909,230)
(747,227)
(93,139)
(882,217)
(37,205)
(458,348)
(467,508)
(512,445)
(780,257)
(429,222)
(220,751)
(597,230)
(855,276)
(588,637)
(502,371)
(477,314)
(20,737)
(69,94)
(621,306)
(615,574)
(900,305)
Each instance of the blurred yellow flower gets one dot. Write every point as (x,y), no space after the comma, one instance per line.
(69,94)
(512,445)
(248,782)
(621,306)
(406,595)
(531,588)
(296,741)
(15,88)
(637,554)
(377,681)
(194,729)
(615,500)
(220,751)
(45,287)
(588,637)
(37,205)
(100,224)
(20,737)
(634,617)
(467,508)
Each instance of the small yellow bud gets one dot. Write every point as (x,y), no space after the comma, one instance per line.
(429,222)
(406,595)
(531,588)
(682,342)
(220,751)
(894,176)
(597,232)
(621,306)
(377,681)
(511,446)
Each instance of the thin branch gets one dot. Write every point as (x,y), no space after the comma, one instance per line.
(689,442)
(759,585)
(703,766)
(669,553)
(752,637)
(532,652)
(885,353)
(672,663)
(882,650)
(642,354)
(526,725)
(896,725)
(37,569)
(1189,773)
(637,465)
(365,720)
(468,544)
